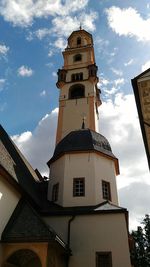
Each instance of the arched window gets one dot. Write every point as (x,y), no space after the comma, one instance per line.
(78,40)
(76,91)
(77,57)
(23,257)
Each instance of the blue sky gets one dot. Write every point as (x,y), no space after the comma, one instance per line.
(33,35)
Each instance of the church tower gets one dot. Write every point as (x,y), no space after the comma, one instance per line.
(77,80)
(83,168)
(82,182)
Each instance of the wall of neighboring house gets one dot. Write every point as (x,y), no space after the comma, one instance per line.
(95,233)
(9,198)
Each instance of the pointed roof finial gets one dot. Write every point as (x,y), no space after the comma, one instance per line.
(80,26)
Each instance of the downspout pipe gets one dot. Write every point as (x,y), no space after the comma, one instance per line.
(68,238)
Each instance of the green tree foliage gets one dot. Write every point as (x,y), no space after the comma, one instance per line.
(140,254)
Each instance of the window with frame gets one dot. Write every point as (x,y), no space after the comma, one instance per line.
(79,187)
(77,57)
(78,40)
(55,192)
(103,259)
(77,77)
(106,190)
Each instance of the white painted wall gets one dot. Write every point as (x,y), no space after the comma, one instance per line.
(89,88)
(85,39)
(74,71)
(73,114)
(57,175)
(105,170)
(9,198)
(75,109)
(93,167)
(94,233)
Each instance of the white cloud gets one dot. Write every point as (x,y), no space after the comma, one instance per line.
(111,91)
(63,26)
(43,93)
(128,63)
(38,146)
(50,53)
(41,33)
(87,20)
(119,81)
(25,71)
(3,50)
(23,13)
(136,203)
(2,82)
(60,43)
(101,45)
(119,122)
(23,137)
(104,81)
(117,72)
(110,87)
(146,66)
(54,74)
(128,22)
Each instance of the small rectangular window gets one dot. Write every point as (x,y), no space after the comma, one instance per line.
(55,192)
(106,190)
(78,187)
(103,259)
(77,57)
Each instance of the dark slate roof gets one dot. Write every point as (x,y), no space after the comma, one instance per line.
(26,225)
(82,140)
(20,171)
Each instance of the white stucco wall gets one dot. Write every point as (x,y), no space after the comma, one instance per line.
(75,109)
(9,198)
(94,233)
(105,170)
(57,176)
(89,88)
(86,59)
(73,114)
(74,71)
(93,167)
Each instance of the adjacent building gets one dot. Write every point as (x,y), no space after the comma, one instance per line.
(141,87)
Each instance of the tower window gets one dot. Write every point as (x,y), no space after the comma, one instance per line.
(106,190)
(78,40)
(77,57)
(77,77)
(76,91)
(78,187)
(103,259)
(55,192)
